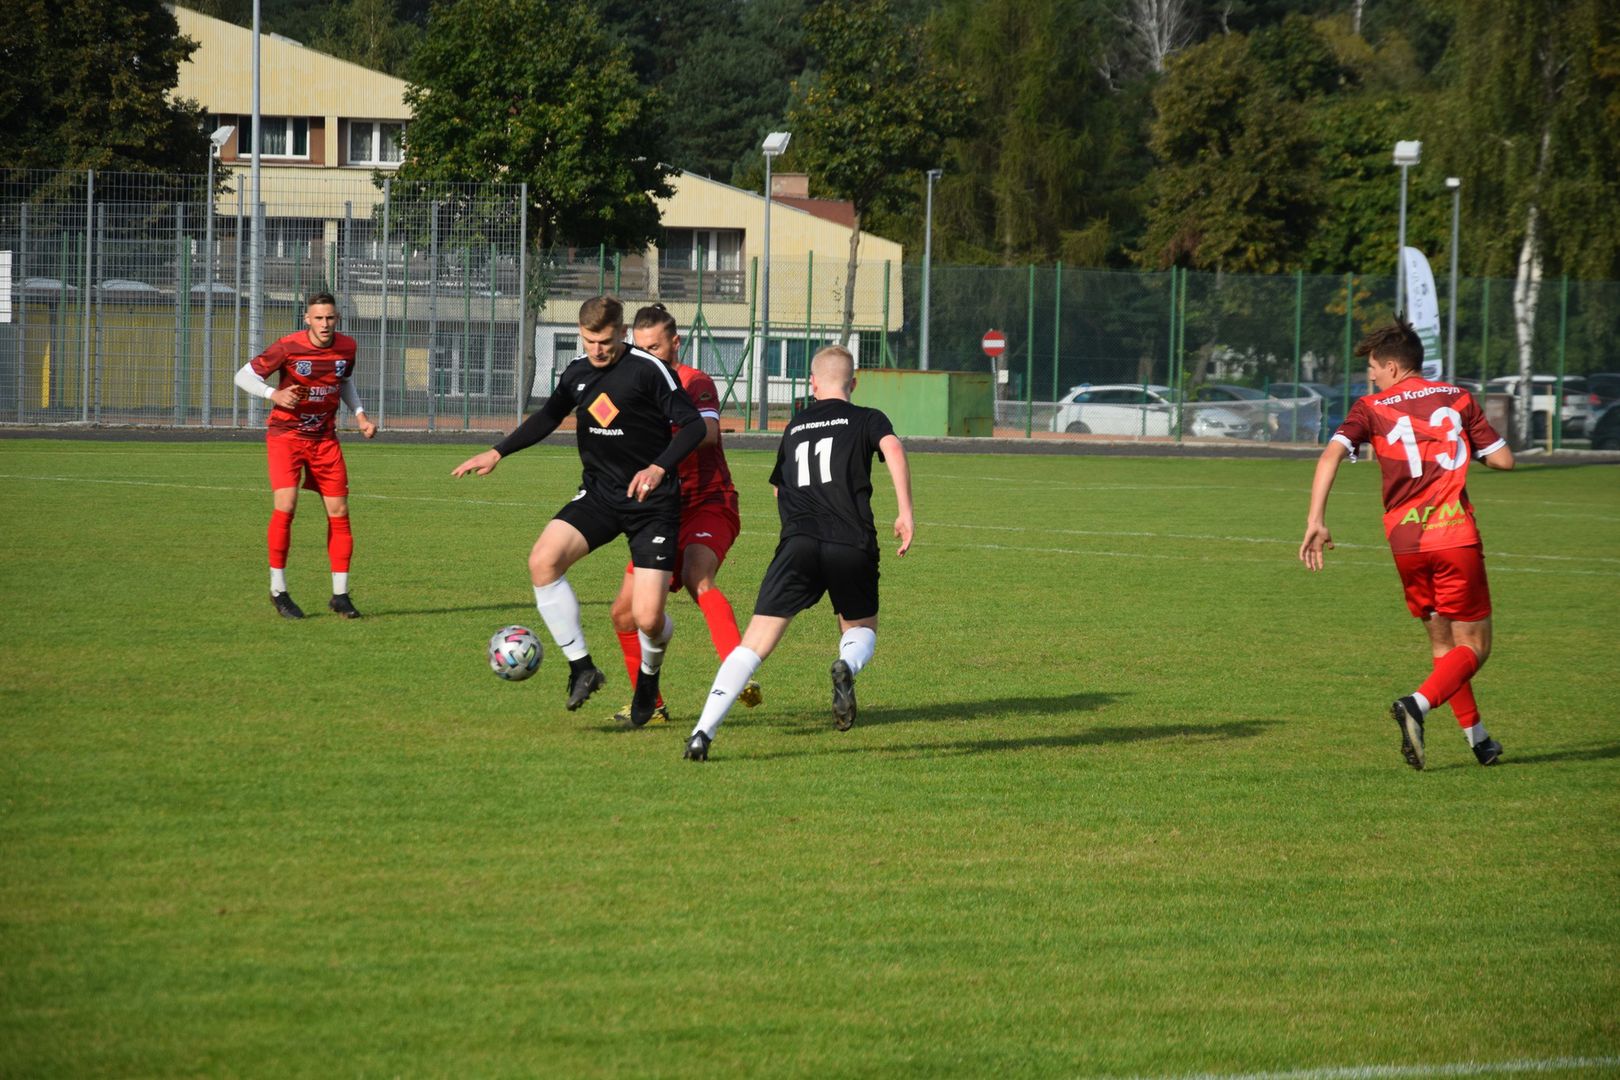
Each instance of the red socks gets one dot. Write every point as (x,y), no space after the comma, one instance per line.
(339,544)
(280,538)
(1464,707)
(722,622)
(1450,677)
(630,642)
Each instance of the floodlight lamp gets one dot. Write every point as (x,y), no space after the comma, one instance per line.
(222,135)
(1407,152)
(776,143)
(1453,182)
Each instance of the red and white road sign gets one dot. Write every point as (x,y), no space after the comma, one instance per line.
(995,343)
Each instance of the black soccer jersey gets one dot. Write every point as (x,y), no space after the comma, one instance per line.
(623,414)
(823,473)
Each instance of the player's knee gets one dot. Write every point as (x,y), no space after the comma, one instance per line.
(650,623)
(543,567)
(623,620)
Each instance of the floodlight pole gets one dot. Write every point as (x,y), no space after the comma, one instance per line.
(256,250)
(775,143)
(928,261)
(1407,154)
(1455,184)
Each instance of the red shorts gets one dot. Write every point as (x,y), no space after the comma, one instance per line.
(317,462)
(714,525)
(1449,582)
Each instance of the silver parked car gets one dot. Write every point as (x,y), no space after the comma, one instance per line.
(1140,410)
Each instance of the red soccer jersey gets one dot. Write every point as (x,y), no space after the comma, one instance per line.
(321,372)
(704,475)
(1422,434)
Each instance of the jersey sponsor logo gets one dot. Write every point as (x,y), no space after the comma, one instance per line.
(1450,514)
(303,367)
(606,431)
(603,410)
(658,539)
(342,366)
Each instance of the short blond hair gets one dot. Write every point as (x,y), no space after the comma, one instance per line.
(601,313)
(834,363)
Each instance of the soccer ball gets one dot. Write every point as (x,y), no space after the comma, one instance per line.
(514,653)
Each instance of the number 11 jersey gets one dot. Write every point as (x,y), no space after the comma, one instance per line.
(823,474)
(1423,434)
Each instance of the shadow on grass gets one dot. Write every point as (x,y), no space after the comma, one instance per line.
(1025,706)
(525,616)
(1578,753)
(1115,735)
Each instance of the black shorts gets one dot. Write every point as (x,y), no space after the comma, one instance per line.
(803,568)
(652,527)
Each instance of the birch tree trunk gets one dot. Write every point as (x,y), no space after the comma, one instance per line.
(849,283)
(1526,294)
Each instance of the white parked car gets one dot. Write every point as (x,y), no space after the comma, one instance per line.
(1576,410)
(1135,409)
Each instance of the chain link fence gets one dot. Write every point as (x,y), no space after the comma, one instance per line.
(129,302)
(131,295)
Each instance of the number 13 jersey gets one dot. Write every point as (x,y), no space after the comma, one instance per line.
(1423,434)
(823,474)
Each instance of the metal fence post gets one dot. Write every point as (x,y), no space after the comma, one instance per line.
(1349,335)
(236,303)
(101,254)
(1485,334)
(84,299)
(382,344)
(519,364)
(22,313)
(1299,330)
(1057,327)
(181,288)
(208,311)
(466,332)
(1029,361)
(1557,424)
(1170,357)
(433,318)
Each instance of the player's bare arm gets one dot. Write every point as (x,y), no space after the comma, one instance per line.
(1501,458)
(1317,538)
(894,456)
(479,464)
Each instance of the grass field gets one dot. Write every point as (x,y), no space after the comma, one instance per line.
(1123,800)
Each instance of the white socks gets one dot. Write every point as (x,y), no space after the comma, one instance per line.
(652,649)
(728,683)
(1422,703)
(559,608)
(278,580)
(1476,734)
(855,648)
(340,582)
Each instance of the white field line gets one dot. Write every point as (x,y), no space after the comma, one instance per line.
(1101,534)
(1386,1072)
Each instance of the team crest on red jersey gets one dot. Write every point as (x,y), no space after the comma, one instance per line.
(342,366)
(303,367)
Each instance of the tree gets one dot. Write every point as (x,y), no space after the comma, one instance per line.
(369,33)
(88,85)
(1234,190)
(1048,169)
(537,91)
(1529,124)
(878,114)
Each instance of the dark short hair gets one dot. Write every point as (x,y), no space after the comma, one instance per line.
(319,299)
(655,315)
(1396,341)
(601,313)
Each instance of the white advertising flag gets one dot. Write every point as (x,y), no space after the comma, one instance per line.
(1423,310)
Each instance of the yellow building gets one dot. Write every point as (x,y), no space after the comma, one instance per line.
(329,128)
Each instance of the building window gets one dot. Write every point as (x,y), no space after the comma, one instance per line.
(279,136)
(720,249)
(376,142)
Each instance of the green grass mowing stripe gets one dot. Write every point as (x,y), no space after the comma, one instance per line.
(1101,816)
